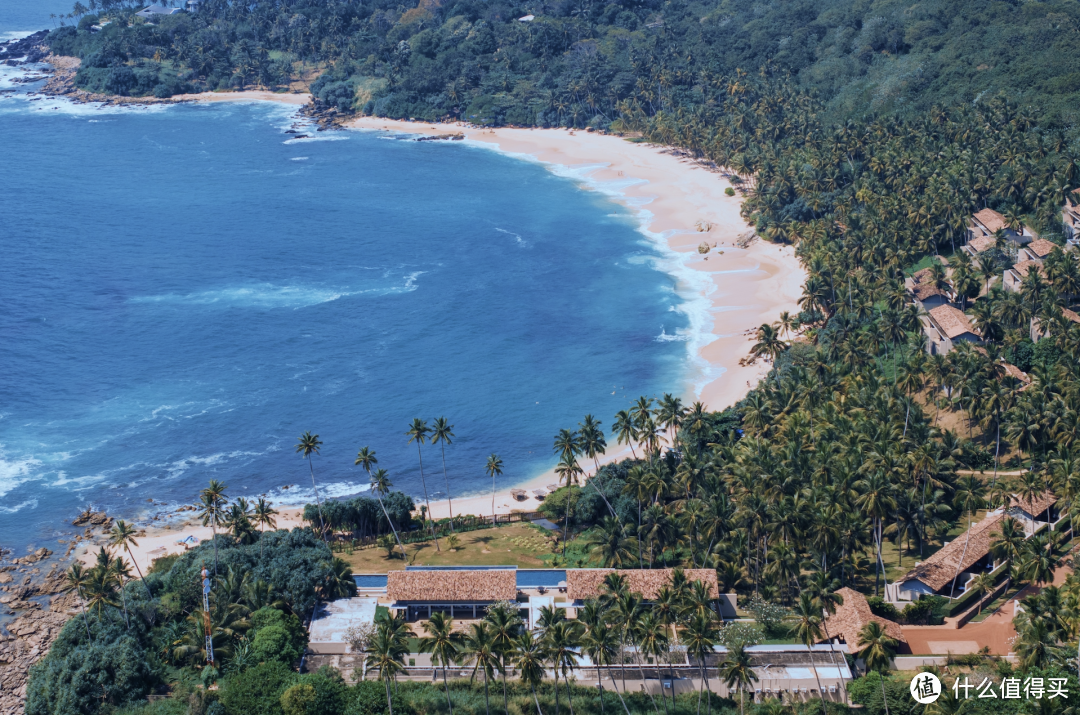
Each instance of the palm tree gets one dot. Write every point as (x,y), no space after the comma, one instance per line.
(100,587)
(625,431)
(441,434)
(443,644)
(505,626)
(699,636)
(560,641)
(981,585)
(123,535)
(738,673)
(602,646)
(387,656)
(877,649)
(968,497)
(479,647)
(263,516)
(768,343)
(568,471)
(308,445)
(493,467)
(213,503)
(380,484)
(807,616)
(418,432)
(823,588)
(530,659)
(76,580)
(119,571)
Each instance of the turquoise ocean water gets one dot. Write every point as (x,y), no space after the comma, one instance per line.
(186,289)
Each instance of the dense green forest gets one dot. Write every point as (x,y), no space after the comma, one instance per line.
(585,61)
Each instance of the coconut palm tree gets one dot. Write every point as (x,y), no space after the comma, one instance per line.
(530,660)
(478,647)
(505,625)
(768,343)
(308,445)
(76,579)
(968,498)
(263,516)
(123,535)
(418,432)
(601,644)
(386,655)
(441,433)
(380,485)
(807,618)
(561,640)
(443,644)
(877,650)
(493,467)
(823,589)
(119,571)
(738,673)
(213,509)
(699,635)
(624,430)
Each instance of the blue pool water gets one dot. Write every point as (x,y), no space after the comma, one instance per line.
(187,289)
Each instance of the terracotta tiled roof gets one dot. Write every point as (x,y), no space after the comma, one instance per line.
(480,585)
(922,291)
(1014,371)
(991,219)
(586,583)
(923,276)
(953,322)
(938,570)
(981,243)
(1039,504)
(1041,247)
(855,613)
(1024,267)
(1070,315)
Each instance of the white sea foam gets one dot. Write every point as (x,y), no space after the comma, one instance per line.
(268,295)
(15,471)
(299,494)
(15,35)
(323,137)
(29,503)
(517,236)
(175,469)
(299,158)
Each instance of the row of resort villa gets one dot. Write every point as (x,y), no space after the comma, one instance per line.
(788,671)
(945,325)
(465,593)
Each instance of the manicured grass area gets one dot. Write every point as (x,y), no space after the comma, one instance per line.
(895,568)
(523,545)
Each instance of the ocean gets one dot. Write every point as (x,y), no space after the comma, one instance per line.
(186,289)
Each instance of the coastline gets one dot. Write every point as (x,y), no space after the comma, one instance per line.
(726,294)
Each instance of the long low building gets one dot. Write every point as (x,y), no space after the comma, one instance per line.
(960,559)
(459,593)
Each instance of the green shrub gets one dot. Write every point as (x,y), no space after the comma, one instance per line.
(257,690)
(278,636)
(879,607)
(729,191)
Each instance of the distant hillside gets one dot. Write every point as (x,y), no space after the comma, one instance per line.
(578,61)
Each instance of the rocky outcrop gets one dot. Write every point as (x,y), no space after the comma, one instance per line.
(93,518)
(24,51)
(27,641)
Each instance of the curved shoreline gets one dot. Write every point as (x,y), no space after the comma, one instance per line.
(725,294)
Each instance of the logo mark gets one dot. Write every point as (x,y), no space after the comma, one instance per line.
(925,688)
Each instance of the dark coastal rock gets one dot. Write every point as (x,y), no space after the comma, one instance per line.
(27,50)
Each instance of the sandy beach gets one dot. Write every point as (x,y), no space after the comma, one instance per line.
(729,292)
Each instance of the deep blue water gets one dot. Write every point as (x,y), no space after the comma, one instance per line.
(183,291)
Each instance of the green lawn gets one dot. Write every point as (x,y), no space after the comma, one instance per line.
(522,545)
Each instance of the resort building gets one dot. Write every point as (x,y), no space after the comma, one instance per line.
(988,222)
(1034,514)
(583,584)
(978,245)
(923,291)
(1037,250)
(1040,331)
(961,558)
(156,11)
(1070,215)
(1013,279)
(459,593)
(944,326)
(852,616)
